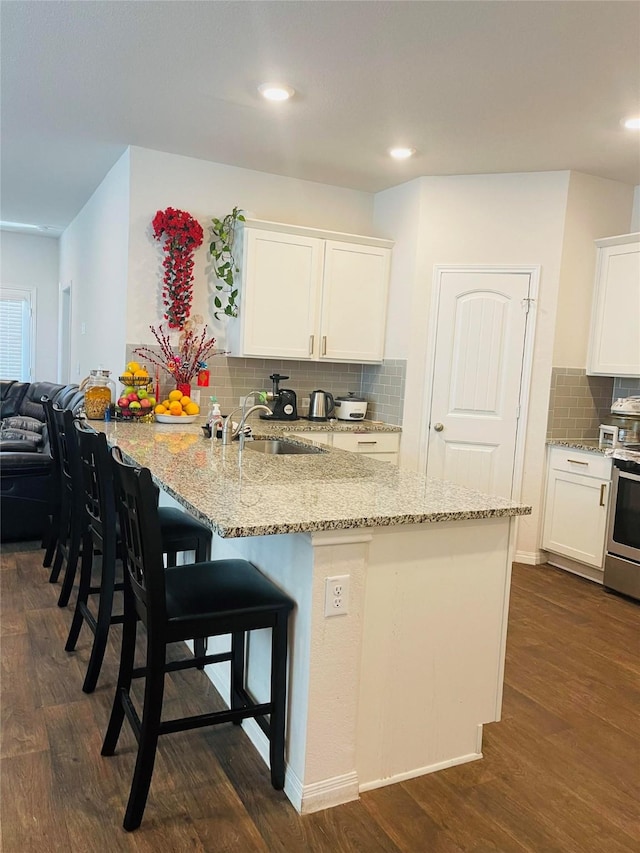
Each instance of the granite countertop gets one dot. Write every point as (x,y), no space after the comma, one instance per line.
(265,427)
(577,444)
(254,494)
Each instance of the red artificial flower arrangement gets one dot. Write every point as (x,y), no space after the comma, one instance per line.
(184,362)
(182,235)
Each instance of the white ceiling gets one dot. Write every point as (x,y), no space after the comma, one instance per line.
(474,86)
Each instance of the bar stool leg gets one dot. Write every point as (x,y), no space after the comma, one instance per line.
(125,674)
(72,562)
(278,699)
(103,622)
(86,565)
(149,733)
(237,671)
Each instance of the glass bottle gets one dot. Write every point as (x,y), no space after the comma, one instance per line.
(99,394)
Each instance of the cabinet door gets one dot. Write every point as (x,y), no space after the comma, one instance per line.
(575,518)
(280,295)
(354,302)
(615,328)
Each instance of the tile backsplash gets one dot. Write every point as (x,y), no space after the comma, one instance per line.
(624,387)
(382,385)
(578,403)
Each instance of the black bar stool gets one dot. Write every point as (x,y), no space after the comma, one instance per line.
(50,539)
(187,602)
(179,532)
(72,518)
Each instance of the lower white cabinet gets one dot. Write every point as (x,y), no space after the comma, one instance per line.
(576,505)
(383,446)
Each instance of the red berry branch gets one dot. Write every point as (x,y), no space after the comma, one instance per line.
(184,362)
(182,235)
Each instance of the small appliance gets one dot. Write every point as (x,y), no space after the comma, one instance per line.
(285,402)
(321,405)
(351,407)
(625,415)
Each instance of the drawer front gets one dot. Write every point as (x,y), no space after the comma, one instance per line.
(580,462)
(367,442)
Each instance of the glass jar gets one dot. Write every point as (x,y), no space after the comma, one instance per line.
(99,394)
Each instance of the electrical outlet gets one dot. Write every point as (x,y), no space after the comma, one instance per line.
(247,401)
(336,595)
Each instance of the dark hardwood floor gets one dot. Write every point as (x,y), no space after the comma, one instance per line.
(561,772)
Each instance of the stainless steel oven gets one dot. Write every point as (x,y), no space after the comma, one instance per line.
(622,562)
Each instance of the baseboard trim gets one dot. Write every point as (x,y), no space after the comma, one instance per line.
(329,793)
(530,558)
(420,771)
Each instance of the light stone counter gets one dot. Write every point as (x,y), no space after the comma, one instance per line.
(333,425)
(254,494)
(577,444)
(400,682)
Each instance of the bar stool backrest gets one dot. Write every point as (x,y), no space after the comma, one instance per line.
(97,473)
(136,500)
(68,453)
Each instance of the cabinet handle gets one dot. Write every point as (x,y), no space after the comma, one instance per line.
(367,442)
(311,341)
(577,462)
(324,345)
(603,489)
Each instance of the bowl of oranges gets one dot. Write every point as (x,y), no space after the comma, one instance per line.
(177,409)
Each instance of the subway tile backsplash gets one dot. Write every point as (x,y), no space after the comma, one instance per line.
(624,387)
(382,385)
(578,403)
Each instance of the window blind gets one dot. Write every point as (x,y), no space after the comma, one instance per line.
(15,335)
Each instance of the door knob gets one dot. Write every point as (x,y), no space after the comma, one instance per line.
(438,427)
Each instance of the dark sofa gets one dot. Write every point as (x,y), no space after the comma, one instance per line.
(25,457)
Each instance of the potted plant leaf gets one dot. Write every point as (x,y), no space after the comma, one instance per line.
(221,249)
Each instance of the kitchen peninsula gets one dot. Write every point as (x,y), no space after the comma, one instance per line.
(401,682)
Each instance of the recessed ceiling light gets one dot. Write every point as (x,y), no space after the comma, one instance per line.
(632,123)
(276,91)
(402,153)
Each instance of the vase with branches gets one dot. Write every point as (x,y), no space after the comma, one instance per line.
(225,268)
(184,361)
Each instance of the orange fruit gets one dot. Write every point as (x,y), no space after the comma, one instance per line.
(127,375)
(175,408)
(141,374)
(183,414)
(132,366)
(166,403)
(175,395)
(192,409)
(185,401)
(160,409)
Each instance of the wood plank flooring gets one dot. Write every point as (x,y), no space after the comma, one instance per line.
(561,772)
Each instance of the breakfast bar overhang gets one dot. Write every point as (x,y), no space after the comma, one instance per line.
(402,682)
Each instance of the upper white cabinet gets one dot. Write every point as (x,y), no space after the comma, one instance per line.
(614,345)
(311,295)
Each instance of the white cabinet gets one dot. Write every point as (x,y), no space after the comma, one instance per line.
(577,498)
(614,345)
(383,446)
(311,295)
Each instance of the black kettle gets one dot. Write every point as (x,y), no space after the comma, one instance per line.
(321,405)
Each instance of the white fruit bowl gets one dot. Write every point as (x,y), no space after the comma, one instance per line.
(176,419)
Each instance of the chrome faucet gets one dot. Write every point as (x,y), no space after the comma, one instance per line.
(228,432)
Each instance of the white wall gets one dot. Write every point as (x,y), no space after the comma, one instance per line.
(595,208)
(480,219)
(94,256)
(30,262)
(205,189)
(635,216)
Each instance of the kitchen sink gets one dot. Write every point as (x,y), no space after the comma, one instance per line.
(280,447)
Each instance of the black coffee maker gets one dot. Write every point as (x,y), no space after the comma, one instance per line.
(285,403)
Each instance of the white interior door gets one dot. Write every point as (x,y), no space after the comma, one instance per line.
(481,323)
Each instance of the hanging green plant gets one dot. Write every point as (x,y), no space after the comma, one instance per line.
(224,263)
